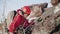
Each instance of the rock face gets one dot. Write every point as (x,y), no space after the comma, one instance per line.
(50,23)
(36,9)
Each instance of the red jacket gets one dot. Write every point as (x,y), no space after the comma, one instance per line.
(18,20)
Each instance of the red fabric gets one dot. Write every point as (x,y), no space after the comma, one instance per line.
(18,10)
(28,11)
(27,24)
(18,20)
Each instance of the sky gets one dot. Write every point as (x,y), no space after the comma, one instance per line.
(16,4)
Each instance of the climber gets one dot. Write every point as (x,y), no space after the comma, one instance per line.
(18,20)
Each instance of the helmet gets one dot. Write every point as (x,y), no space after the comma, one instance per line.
(26,9)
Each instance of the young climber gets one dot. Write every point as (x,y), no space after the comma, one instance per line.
(18,20)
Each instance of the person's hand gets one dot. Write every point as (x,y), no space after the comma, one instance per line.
(31,20)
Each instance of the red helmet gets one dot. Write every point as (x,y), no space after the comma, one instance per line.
(26,9)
